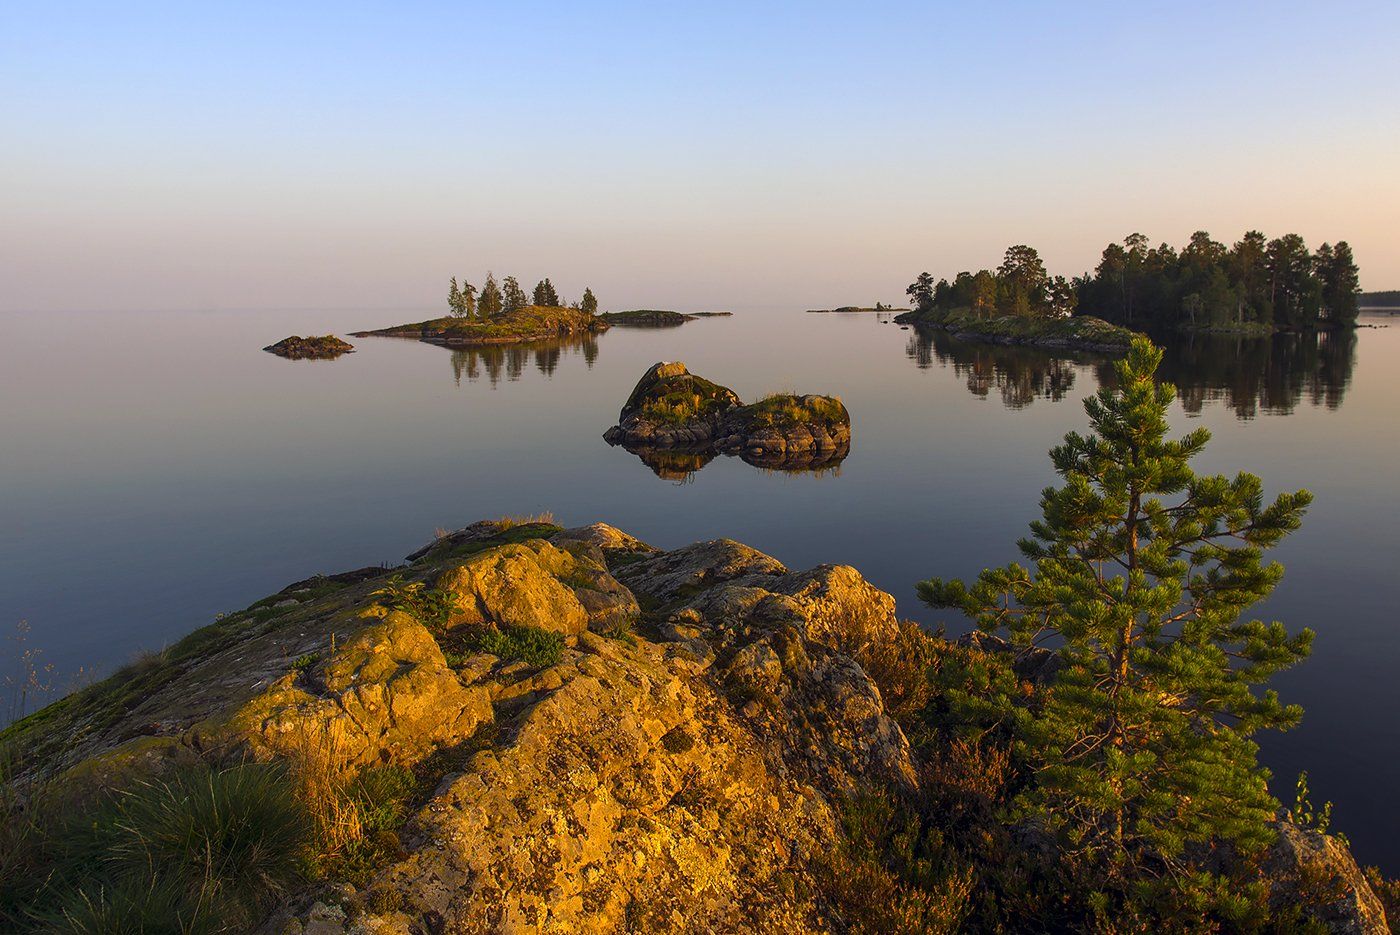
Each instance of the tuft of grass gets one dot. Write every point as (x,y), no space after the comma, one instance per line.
(381,794)
(791,409)
(530,645)
(545,518)
(233,838)
(203,850)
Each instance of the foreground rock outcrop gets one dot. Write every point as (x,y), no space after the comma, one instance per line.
(671,410)
(325,347)
(679,764)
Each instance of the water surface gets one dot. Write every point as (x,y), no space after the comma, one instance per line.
(159,468)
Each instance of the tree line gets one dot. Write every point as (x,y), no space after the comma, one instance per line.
(494,300)
(1255,282)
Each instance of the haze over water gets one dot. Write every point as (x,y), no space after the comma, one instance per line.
(159,468)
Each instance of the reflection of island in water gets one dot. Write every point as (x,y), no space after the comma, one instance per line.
(681,464)
(1248,374)
(1022,374)
(495,361)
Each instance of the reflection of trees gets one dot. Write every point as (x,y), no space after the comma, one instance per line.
(1272,374)
(511,360)
(1022,374)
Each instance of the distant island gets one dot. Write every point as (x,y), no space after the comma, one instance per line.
(1256,286)
(656,317)
(502,314)
(1387,299)
(673,411)
(877,307)
(325,347)
(647,318)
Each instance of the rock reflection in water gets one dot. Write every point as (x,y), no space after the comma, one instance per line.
(681,464)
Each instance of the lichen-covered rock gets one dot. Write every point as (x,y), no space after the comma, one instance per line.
(1338,897)
(386,693)
(516,585)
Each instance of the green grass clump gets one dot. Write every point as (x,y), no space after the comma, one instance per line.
(304,661)
(790,409)
(680,406)
(531,645)
(205,850)
(381,794)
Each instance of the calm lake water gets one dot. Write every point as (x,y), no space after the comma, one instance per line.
(159,468)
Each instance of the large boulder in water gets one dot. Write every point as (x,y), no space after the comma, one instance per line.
(673,410)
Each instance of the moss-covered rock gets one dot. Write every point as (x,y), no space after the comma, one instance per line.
(676,421)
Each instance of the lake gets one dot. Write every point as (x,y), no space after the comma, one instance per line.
(160,468)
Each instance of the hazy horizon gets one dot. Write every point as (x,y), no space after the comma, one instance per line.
(330,156)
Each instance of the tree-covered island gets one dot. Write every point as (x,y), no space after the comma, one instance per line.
(1255,286)
(502,313)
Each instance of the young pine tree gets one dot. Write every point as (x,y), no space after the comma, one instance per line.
(545,294)
(467,300)
(512,296)
(589,303)
(454,299)
(489,304)
(1140,742)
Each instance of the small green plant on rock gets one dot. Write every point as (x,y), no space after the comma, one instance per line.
(430,606)
(533,646)
(1305,815)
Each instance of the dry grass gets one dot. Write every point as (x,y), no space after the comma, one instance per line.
(323,773)
(789,409)
(526,519)
(899,666)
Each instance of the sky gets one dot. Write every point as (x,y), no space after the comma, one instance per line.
(719,155)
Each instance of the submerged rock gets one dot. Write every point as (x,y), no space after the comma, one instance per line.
(673,415)
(325,347)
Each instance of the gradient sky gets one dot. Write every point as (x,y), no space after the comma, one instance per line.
(193,155)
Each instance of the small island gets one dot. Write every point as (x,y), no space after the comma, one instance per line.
(647,318)
(672,410)
(848,309)
(502,314)
(325,347)
(656,317)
